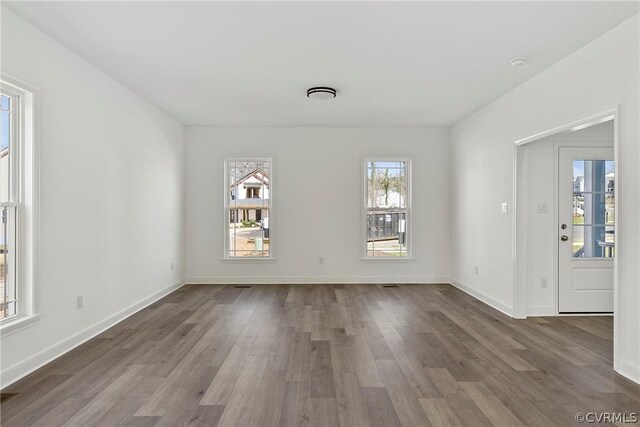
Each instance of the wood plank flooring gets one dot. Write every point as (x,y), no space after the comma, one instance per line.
(327,355)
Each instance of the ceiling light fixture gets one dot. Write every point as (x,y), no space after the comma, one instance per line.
(321,93)
(518,62)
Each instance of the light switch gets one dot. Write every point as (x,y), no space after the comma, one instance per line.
(505,208)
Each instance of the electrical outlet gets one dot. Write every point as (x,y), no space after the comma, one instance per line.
(79,301)
(171,266)
(476,270)
(505,208)
(544,283)
(321,260)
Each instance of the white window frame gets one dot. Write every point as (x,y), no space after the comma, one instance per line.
(24,198)
(271,207)
(409,257)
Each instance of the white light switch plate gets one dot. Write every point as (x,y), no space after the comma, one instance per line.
(505,208)
(543,207)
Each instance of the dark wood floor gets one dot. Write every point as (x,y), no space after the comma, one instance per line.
(351,355)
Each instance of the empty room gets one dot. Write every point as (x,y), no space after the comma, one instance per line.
(305,213)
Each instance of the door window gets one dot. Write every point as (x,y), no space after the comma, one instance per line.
(593,209)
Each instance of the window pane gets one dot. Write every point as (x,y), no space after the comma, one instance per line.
(610,209)
(386,233)
(593,241)
(5,103)
(578,208)
(248,202)
(5,155)
(386,184)
(593,176)
(7,262)
(593,208)
(5,123)
(578,241)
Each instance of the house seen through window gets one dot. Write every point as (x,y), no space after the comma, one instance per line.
(248,207)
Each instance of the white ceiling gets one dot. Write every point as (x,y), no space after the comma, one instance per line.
(393,63)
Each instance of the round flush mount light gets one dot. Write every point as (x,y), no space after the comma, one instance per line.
(321,93)
(518,62)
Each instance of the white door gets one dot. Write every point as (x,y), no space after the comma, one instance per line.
(586,238)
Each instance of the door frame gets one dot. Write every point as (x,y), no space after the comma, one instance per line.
(519,220)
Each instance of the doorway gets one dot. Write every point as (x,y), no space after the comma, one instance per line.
(586,229)
(522,305)
(537,246)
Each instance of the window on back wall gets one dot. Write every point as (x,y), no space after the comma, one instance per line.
(248,212)
(388,208)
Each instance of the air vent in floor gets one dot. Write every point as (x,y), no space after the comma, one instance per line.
(243,286)
(389,286)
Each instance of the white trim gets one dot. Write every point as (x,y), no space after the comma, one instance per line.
(617,338)
(555,285)
(629,370)
(585,122)
(546,311)
(27,366)
(365,203)
(254,260)
(583,315)
(390,259)
(484,298)
(271,207)
(18,324)
(519,276)
(271,280)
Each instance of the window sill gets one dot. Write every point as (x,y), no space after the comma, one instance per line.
(18,324)
(249,260)
(388,259)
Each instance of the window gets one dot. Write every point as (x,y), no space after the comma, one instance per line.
(9,199)
(593,209)
(388,208)
(16,204)
(248,210)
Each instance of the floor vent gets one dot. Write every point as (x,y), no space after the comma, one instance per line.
(389,286)
(243,286)
(6,396)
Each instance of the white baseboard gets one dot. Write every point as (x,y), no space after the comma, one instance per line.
(533,311)
(500,306)
(269,280)
(27,366)
(629,370)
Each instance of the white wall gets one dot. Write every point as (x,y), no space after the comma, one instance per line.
(541,233)
(596,78)
(317,186)
(110,197)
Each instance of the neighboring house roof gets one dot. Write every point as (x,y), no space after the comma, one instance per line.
(258,174)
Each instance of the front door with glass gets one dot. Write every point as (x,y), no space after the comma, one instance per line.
(586,229)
